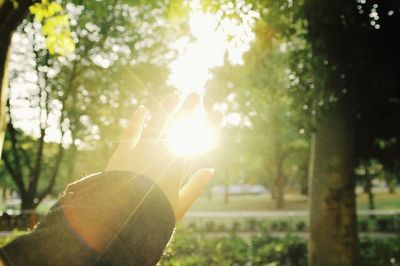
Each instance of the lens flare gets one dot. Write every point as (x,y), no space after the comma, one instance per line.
(191,136)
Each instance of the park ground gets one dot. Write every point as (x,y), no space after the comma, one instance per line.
(294,201)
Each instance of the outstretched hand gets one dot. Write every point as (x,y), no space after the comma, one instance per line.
(143,150)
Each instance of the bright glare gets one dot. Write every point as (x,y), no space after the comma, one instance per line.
(213,38)
(191,136)
(190,71)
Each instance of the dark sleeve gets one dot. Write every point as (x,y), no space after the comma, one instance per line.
(132,210)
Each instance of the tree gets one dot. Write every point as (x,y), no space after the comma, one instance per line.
(258,91)
(56,29)
(77,90)
(353,41)
(11,15)
(367,171)
(25,157)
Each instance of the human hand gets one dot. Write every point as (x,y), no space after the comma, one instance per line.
(143,150)
(122,216)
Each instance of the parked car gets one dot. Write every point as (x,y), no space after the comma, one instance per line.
(239,189)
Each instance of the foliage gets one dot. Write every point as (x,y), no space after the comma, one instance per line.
(56,27)
(269,130)
(188,248)
(93,90)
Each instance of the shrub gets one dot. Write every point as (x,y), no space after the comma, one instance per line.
(363,226)
(210,226)
(189,249)
(252,225)
(192,225)
(222,227)
(274,226)
(385,224)
(301,226)
(380,252)
(283,226)
(236,226)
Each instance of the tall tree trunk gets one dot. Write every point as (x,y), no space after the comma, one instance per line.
(368,191)
(280,184)
(226,193)
(333,228)
(11,15)
(391,183)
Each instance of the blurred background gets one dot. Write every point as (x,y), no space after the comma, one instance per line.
(309,144)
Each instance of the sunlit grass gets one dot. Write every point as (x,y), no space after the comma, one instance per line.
(294,201)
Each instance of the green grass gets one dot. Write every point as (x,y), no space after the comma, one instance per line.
(383,201)
(247,202)
(293,201)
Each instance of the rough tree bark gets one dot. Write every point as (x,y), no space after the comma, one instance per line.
(333,220)
(333,228)
(279,180)
(368,190)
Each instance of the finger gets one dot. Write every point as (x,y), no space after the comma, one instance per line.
(192,190)
(216,118)
(158,123)
(170,180)
(134,130)
(190,103)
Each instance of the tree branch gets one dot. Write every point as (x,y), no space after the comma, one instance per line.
(14,175)
(18,177)
(60,153)
(37,167)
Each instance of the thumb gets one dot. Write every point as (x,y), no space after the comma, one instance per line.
(192,190)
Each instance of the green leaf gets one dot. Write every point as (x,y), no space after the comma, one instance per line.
(55,27)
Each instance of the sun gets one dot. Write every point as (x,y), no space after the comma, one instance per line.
(212,37)
(191,136)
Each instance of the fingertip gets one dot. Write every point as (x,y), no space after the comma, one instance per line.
(142,110)
(210,174)
(191,101)
(206,174)
(172,101)
(216,118)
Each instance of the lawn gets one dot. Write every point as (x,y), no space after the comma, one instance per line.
(294,201)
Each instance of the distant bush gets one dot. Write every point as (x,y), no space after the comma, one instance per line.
(385,224)
(190,249)
(363,226)
(301,226)
(252,225)
(236,226)
(210,226)
(380,252)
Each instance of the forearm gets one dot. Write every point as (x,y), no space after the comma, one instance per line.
(114,218)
